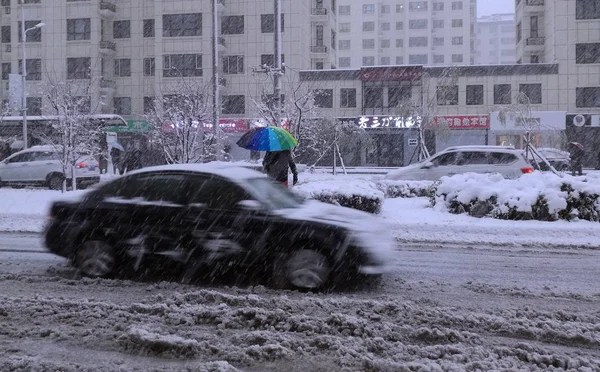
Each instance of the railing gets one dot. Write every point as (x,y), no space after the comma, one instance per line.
(536,40)
(318,49)
(108,45)
(534,2)
(319,11)
(106,5)
(107,84)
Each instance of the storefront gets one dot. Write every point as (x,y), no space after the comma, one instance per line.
(547,129)
(460,130)
(585,129)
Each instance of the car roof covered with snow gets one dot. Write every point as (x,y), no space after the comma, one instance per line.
(223,169)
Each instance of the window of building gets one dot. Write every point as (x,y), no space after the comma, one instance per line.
(368,26)
(182,65)
(385,26)
(373,97)
(385,43)
(6,70)
(368,9)
(344,62)
(149,29)
(438,41)
(457,5)
(399,25)
(78,29)
(398,96)
(29,1)
(587,97)
(5,2)
(418,59)
(176,25)
(417,41)
(399,43)
(587,9)
(457,23)
(502,94)
(122,105)
(344,10)
(438,58)
(533,92)
(507,40)
(33,36)
(122,67)
(438,23)
(535,58)
(232,25)
(34,69)
(269,59)
(149,105)
(5,31)
(447,95)
(345,27)
(323,98)
(79,68)
(385,9)
(533,26)
(344,44)
(438,7)
(267,23)
(519,32)
(457,58)
(121,29)
(368,61)
(474,95)
(417,5)
(399,8)
(400,60)
(457,40)
(149,67)
(417,24)
(233,64)
(319,65)
(384,61)
(34,106)
(368,43)
(348,97)
(234,105)
(508,52)
(586,53)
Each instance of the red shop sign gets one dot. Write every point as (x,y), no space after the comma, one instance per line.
(463,121)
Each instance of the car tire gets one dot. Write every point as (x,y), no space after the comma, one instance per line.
(96,259)
(303,269)
(55,182)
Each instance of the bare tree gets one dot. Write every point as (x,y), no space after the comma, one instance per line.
(182,124)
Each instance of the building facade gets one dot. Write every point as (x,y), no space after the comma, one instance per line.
(397,32)
(496,40)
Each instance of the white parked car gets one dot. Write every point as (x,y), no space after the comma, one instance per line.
(41,166)
(505,160)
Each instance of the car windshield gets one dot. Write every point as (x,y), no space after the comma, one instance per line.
(273,195)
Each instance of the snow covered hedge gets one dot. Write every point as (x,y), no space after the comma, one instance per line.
(358,194)
(406,189)
(537,196)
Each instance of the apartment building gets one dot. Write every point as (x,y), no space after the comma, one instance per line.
(129,52)
(398,32)
(496,40)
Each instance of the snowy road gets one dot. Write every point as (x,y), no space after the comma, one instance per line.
(444,306)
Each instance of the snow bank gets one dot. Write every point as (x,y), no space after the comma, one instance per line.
(357,194)
(406,189)
(541,196)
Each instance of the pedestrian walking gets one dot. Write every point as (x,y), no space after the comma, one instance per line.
(577,153)
(277,165)
(115,155)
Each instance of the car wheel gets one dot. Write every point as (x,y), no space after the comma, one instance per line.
(96,259)
(55,182)
(303,269)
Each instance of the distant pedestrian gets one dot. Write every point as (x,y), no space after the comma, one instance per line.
(115,155)
(577,153)
(277,165)
(133,159)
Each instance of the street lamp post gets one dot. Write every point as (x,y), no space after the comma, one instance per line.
(24,74)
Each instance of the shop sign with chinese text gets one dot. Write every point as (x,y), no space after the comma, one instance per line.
(462,121)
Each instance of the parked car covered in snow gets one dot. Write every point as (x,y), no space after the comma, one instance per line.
(559,159)
(505,160)
(41,166)
(206,216)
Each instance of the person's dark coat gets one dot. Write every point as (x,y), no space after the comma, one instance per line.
(276,164)
(133,160)
(115,155)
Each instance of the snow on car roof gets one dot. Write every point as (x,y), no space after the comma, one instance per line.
(223,169)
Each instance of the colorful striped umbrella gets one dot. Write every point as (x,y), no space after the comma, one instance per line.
(267,139)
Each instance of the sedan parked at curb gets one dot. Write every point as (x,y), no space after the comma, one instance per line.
(205,216)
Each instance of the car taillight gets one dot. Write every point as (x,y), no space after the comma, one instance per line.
(526,170)
(81,165)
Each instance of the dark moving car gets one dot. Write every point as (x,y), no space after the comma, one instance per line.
(211,215)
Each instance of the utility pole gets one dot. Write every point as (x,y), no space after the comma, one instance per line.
(215,60)
(277,57)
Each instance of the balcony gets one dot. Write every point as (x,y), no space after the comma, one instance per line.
(108,47)
(534,2)
(318,49)
(533,6)
(534,44)
(107,85)
(107,8)
(222,43)
(536,40)
(319,11)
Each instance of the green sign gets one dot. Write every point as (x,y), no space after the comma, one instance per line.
(133,126)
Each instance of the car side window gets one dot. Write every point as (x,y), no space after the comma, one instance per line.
(502,158)
(473,158)
(217,193)
(169,188)
(21,158)
(445,159)
(43,155)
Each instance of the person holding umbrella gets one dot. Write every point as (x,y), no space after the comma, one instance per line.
(278,143)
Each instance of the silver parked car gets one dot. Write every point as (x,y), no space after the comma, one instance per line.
(505,160)
(41,166)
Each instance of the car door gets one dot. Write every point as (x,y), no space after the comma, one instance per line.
(443,165)
(14,168)
(40,164)
(505,163)
(473,161)
(221,227)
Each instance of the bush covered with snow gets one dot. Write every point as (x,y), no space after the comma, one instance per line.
(358,194)
(537,196)
(406,189)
